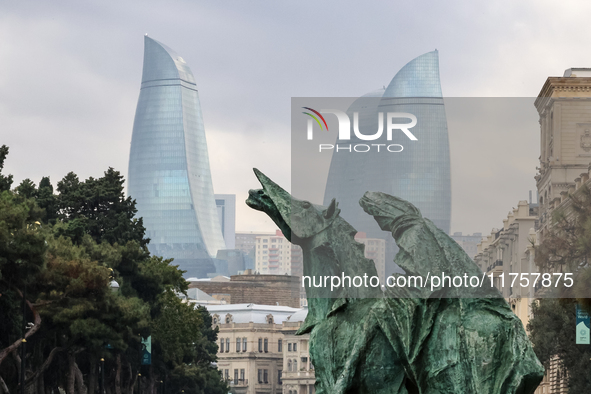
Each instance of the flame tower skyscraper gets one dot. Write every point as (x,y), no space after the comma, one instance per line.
(419,174)
(169,174)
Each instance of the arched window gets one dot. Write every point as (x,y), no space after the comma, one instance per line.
(295,365)
(289,367)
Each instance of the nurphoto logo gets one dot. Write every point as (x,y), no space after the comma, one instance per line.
(344,132)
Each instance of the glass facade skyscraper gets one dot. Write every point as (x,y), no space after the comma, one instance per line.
(420,173)
(169,174)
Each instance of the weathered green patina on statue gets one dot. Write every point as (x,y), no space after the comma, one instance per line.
(405,340)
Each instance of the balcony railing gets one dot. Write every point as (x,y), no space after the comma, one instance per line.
(494,265)
(238,383)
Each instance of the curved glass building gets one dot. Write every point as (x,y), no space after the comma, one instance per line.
(419,174)
(169,173)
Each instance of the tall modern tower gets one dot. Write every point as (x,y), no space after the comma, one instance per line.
(169,173)
(419,174)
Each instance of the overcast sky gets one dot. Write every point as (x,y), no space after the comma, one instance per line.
(70,74)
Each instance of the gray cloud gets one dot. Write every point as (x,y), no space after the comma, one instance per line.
(70,75)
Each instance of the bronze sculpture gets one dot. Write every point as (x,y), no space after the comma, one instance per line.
(399,340)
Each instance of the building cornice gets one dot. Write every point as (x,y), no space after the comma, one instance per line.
(562,87)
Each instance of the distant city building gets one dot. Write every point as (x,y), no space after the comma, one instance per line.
(298,371)
(252,345)
(468,242)
(246,242)
(236,261)
(511,250)
(375,249)
(564,106)
(226,204)
(420,174)
(249,288)
(275,255)
(169,173)
(198,297)
(507,251)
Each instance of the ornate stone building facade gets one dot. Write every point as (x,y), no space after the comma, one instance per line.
(298,371)
(564,105)
(258,351)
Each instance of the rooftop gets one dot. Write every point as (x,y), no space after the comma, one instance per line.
(257,313)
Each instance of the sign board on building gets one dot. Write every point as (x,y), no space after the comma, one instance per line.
(147,350)
(583,327)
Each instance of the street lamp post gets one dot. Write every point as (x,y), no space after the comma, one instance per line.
(102,388)
(24,341)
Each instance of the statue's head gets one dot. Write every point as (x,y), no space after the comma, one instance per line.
(297,219)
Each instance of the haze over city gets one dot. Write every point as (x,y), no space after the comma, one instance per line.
(70,76)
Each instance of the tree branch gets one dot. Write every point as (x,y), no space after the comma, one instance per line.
(37,321)
(30,380)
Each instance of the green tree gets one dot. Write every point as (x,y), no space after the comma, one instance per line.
(47,200)
(22,248)
(66,249)
(26,189)
(565,248)
(187,344)
(5,180)
(98,207)
(552,332)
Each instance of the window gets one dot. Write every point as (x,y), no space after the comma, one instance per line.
(235,376)
(279,373)
(227,345)
(289,347)
(222,345)
(238,344)
(295,365)
(227,374)
(266,345)
(288,365)
(242,374)
(261,345)
(295,347)
(260,376)
(280,346)
(243,344)
(266,375)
